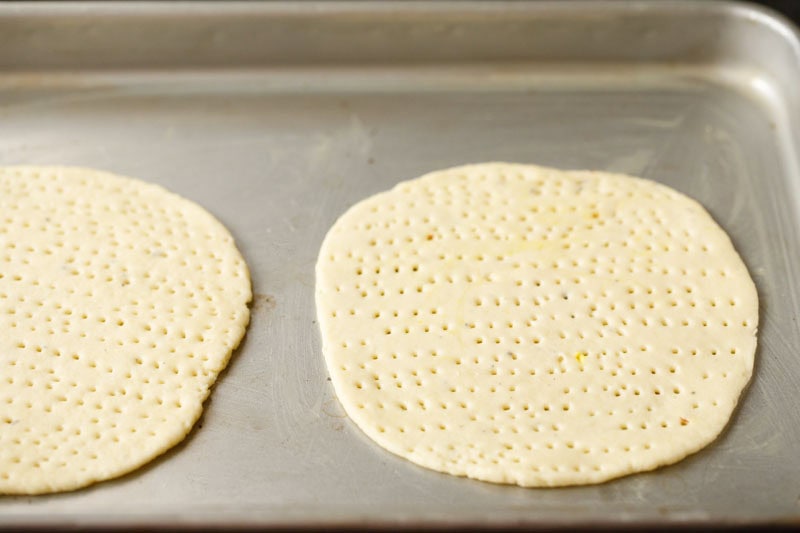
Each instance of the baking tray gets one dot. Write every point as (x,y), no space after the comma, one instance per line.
(277,117)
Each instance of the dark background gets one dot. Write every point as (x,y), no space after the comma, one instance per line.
(790,8)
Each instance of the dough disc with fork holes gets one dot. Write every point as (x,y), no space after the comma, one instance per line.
(525,325)
(120,303)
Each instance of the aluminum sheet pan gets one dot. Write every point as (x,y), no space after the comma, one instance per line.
(277,117)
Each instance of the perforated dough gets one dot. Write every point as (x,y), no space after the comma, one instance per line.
(519,324)
(120,303)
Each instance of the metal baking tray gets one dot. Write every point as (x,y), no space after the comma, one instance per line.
(276,117)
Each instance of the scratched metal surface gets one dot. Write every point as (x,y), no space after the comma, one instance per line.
(279,149)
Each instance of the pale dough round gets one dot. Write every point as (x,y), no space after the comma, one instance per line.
(120,302)
(519,324)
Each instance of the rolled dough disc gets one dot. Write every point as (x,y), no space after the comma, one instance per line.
(120,303)
(525,325)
